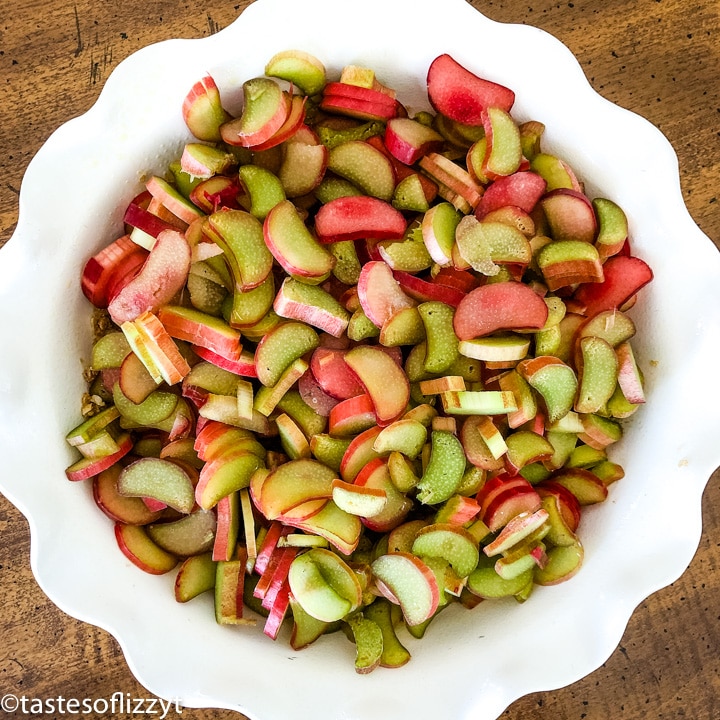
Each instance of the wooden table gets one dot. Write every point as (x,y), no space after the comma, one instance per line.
(659,58)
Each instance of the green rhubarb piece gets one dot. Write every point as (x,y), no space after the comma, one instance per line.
(469,369)
(368,638)
(598,374)
(535,472)
(182,412)
(571,422)
(476,159)
(215,268)
(394,653)
(609,472)
(155,408)
(206,295)
(515,383)
(445,469)
(334,573)
(365,166)
(485,582)
(215,159)
(469,133)
(450,543)
(295,247)
(459,134)
(410,195)
(562,562)
(100,445)
(309,421)
(236,439)
(405,327)
(618,406)
(314,298)
(583,484)
(147,447)
(263,187)
(331,137)
(506,149)
(195,576)
(478,402)
(250,306)
(531,133)
(266,398)
(423,413)
(511,568)
(473,479)
(415,363)
(240,235)
(262,96)
(424,118)
(224,408)
(442,342)
(292,440)
(228,574)
(402,473)
(332,188)
(504,347)
(347,265)
(162,480)
(281,347)
(360,327)
(556,383)
(191,534)
(584,456)
(184,182)
(548,341)
(306,629)
(231,474)
(603,431)
(257,331)
(563,444)
(301,69)
(88,429)
(552,170)
(212,378)
(438,229)
(559,534)
(613,326)
(526,446)
(417,396)
(563,251)
(162,186)
(404,436)
(418,631)
(483,245)
(441,570)
(612,226)
(567,329)
(109,351)
(329,450)
(409,254)
(556,311)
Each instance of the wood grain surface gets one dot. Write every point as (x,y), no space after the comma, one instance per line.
(659,58)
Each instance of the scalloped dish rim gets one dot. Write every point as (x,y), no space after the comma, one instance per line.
(493,655)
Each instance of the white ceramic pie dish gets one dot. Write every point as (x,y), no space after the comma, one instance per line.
(470,666)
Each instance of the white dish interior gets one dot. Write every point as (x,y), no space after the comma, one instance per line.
(470,664)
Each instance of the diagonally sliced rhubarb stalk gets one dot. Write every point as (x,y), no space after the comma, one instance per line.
(352,218)
(461,95)
(164,273)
